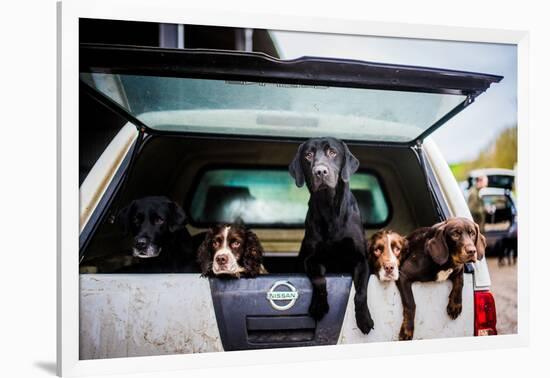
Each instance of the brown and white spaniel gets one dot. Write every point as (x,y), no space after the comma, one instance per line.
(232,251)
(386,249)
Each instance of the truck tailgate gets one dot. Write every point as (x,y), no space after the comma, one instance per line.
(125,315)
(431,319)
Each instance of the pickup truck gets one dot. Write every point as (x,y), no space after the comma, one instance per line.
(215,132)
(500,211)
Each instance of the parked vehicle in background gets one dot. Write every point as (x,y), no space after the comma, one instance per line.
(500,210)
(500,222)
(497,177)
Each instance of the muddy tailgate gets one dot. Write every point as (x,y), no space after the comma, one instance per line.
(155,314)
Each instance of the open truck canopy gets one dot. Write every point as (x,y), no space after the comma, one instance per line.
(251,94)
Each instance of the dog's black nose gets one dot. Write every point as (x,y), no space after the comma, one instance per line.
(221,259)
(141,243)
(320,171)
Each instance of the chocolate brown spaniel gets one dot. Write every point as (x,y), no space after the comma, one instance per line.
(438,253)
(231,251)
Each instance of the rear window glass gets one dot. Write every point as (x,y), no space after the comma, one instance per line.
(499,212)
(497,181)
(290,110)
(498,202)
(270,197)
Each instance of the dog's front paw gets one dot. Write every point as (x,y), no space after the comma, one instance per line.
(405,333)
(364,321)
(454,309)
(318,307)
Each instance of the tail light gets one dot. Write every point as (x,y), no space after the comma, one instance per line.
(485,323)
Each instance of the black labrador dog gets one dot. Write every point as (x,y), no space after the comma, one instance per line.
(334,240)
(161,243)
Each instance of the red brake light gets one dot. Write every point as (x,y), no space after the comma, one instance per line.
(485,322)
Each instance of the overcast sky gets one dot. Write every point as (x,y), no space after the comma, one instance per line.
(469,132)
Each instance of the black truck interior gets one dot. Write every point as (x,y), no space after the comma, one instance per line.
(171,166)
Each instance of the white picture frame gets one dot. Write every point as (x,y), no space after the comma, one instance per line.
(68,194)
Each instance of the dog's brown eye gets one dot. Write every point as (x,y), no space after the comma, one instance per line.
(331,153)
(309,155)
(235,244)
(396,250)
(377,251)
(215,244)
(159,220)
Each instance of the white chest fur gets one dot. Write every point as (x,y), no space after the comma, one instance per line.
(442,275)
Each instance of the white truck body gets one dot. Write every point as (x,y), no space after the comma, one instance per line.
(190,110)
(126,315)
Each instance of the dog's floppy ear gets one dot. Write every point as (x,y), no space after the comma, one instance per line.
(351,164)
(295,168)
(481,243)
(437,246)
(404,248)
(178,219)
(204,255)
(371,242)
(123,217)
(253,255)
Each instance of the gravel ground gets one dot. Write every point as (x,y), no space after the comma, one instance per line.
(504,286)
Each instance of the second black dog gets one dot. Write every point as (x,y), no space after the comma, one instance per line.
(161,242)
(334,240)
